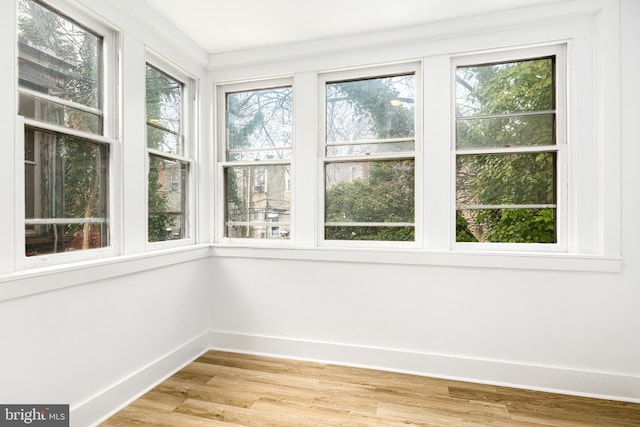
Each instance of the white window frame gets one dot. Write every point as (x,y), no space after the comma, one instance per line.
(221,91)
(560,148)
(110,137)
(413,67)
(188,132)
(591,203)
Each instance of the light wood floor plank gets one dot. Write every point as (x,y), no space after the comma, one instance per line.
(223,389)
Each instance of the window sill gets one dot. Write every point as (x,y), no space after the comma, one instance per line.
(39,280)
(34,281)
(500,260)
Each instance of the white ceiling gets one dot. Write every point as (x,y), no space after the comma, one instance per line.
(229,25)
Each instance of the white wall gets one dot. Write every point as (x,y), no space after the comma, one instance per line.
(73,345)
(95,334)
(569,331)
(568,321)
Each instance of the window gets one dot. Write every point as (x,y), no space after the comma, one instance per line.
(472,151)
(369,157)
(257,161)
(168,151)
(67,148)
(507,150)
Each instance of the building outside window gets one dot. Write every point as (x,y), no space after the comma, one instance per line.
(257,161)
(66,149)
(369,157)
(168,156)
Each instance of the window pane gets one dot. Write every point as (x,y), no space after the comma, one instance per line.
(257,200)
(57,57)
(506,88)
(506,225)
(66,182)
(259,120)
(370,192)
(164,112)
(377,108)
(167,199)
(506,132)
(498,179)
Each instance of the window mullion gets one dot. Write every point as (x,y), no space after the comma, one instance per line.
(437,155)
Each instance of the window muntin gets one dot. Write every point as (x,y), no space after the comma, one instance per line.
(369,165)
(506,152)
(66,191)
(257,170)
(169,164)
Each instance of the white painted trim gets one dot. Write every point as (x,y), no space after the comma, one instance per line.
(400,256)
(145,23)
(601,385)
(471,26)
(98,408)
(588,232)
(38,280)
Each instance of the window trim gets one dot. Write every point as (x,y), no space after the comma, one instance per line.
(221,163)
(414,67)
(188,132)
(589,33)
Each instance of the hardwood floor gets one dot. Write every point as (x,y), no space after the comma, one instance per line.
(229,389)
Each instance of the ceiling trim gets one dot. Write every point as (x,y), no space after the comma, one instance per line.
(441,30)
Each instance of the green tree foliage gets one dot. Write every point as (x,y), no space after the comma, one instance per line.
(388,196)
(506,178)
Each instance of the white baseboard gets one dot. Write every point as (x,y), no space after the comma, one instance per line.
(104,404)
(599,385)
(551,379)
